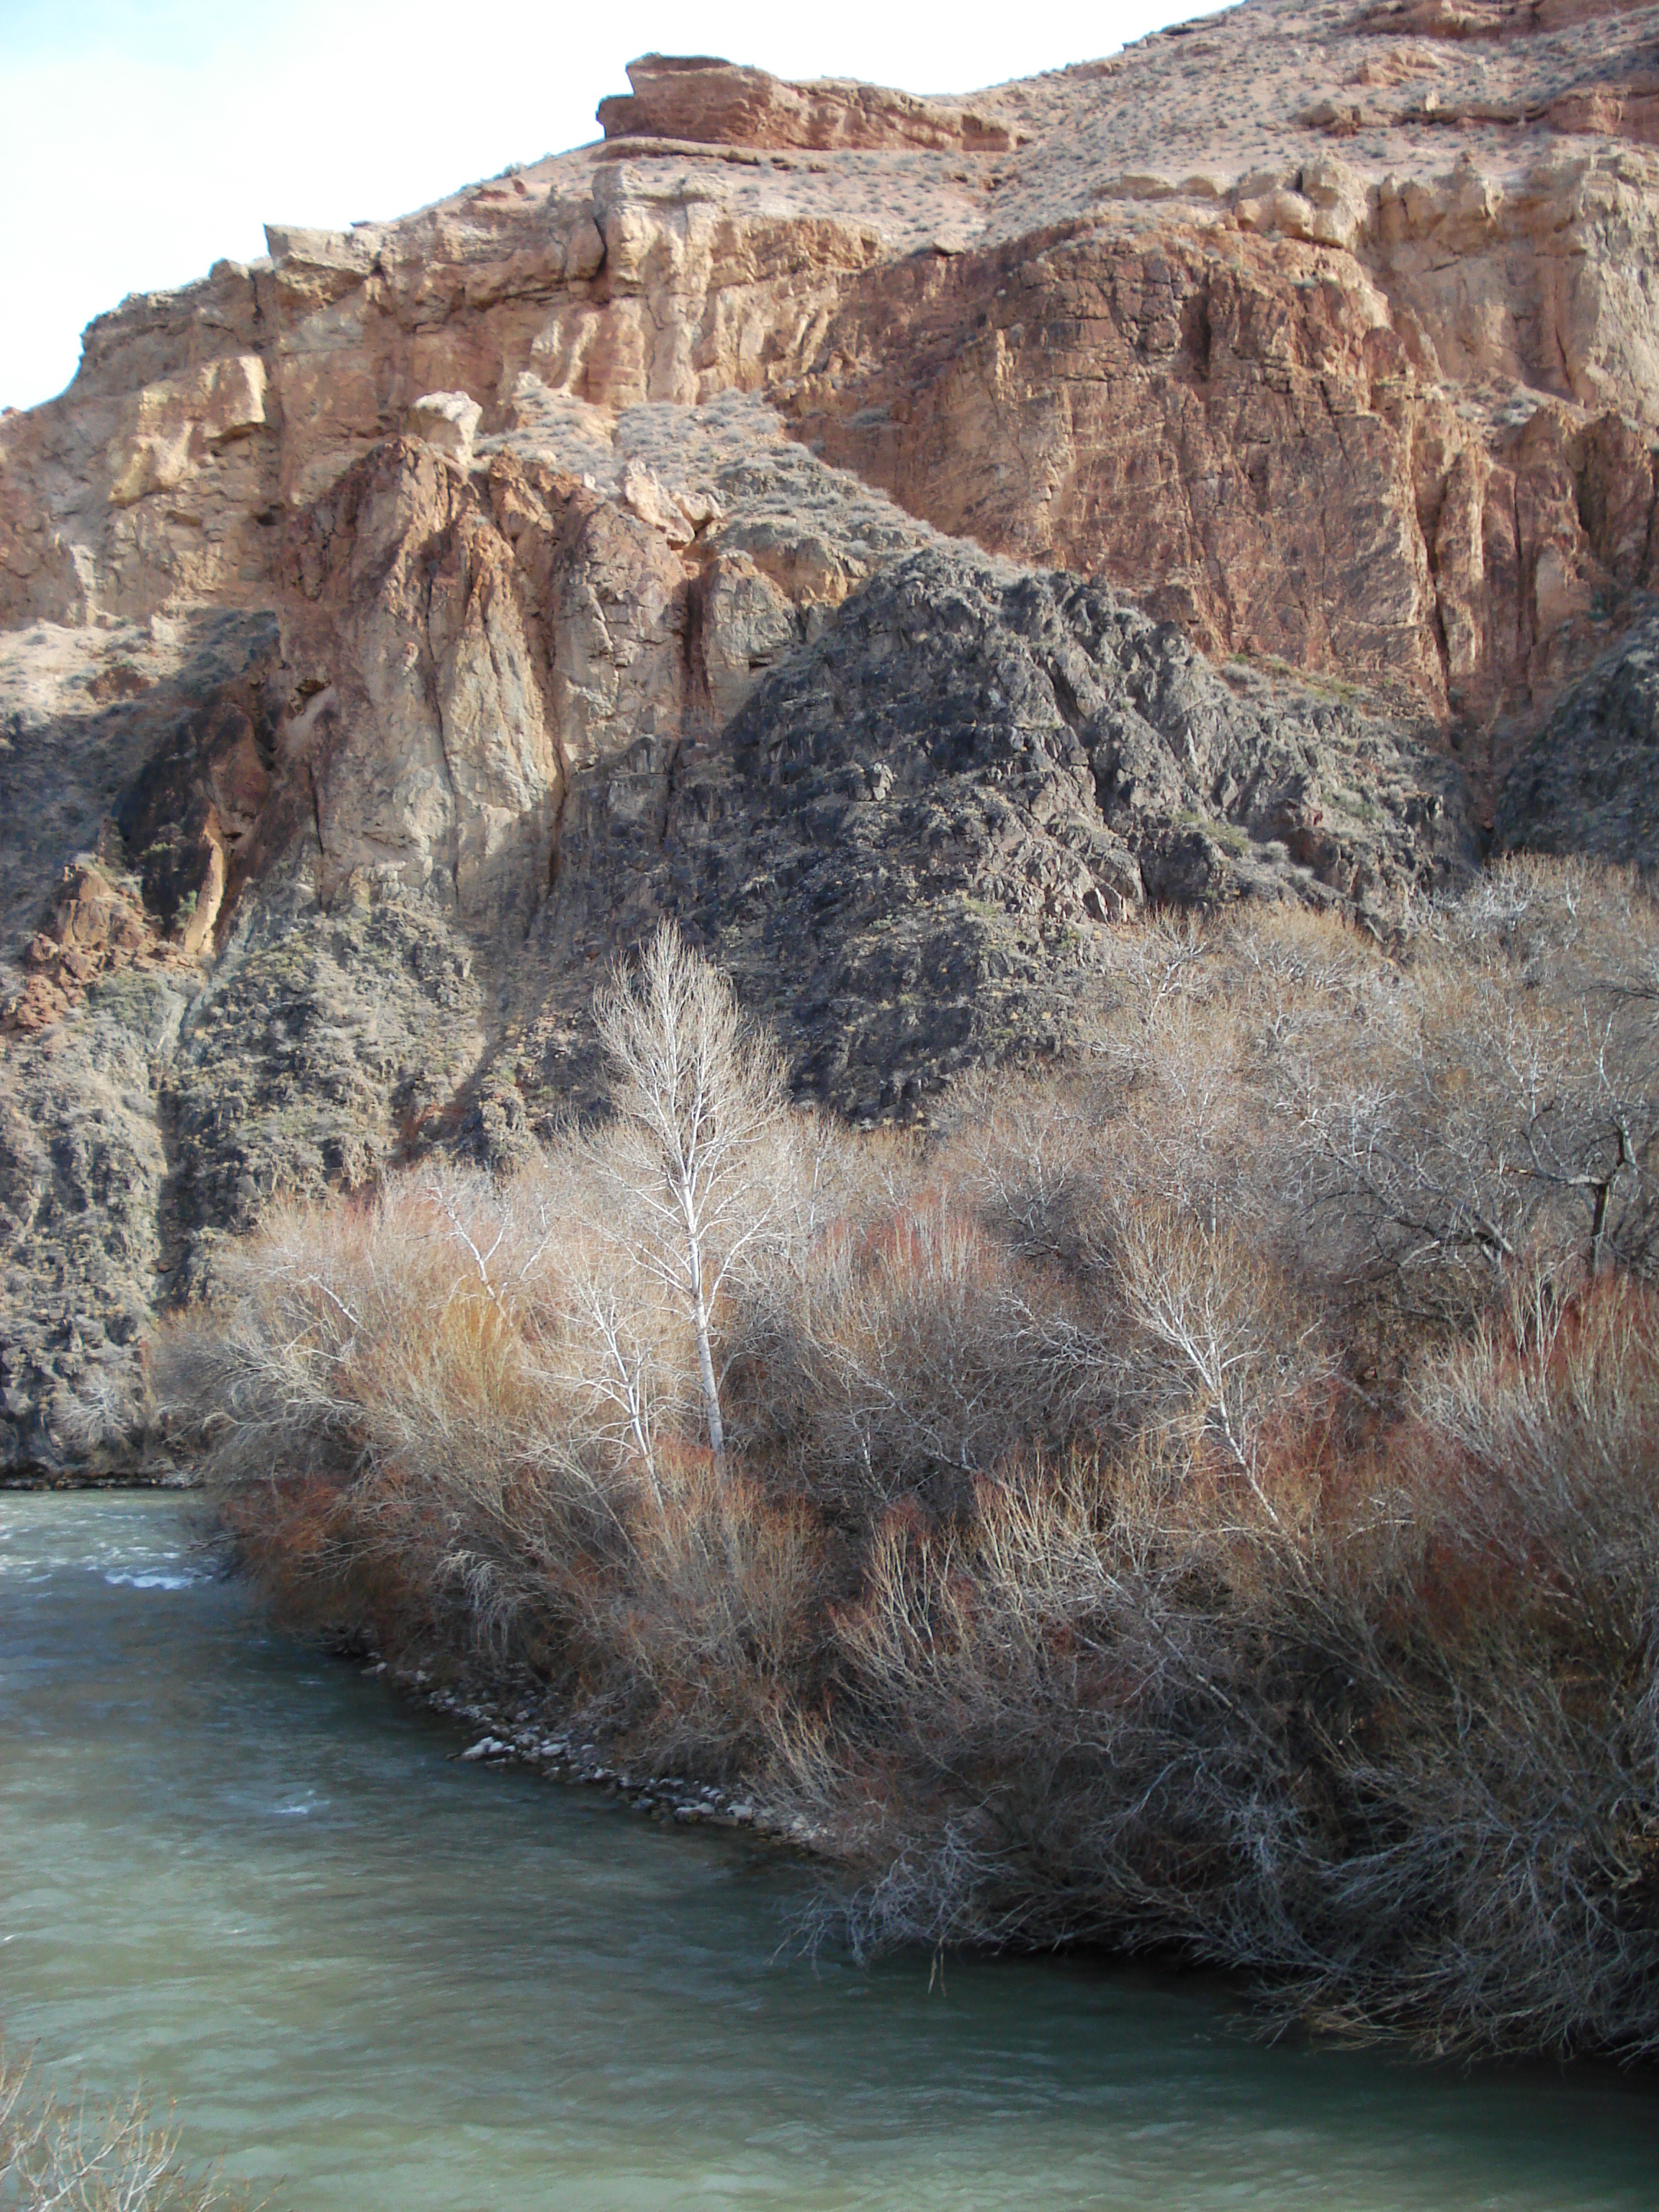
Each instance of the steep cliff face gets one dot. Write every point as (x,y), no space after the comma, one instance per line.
(903,538)
(1329,328)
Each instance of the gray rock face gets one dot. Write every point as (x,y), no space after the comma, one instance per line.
(84,1169)
(326,1043)
(95,725)
(81,714)
(910,835)
(1589,780)
(905,844)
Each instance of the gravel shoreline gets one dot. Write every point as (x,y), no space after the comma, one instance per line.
(517,1734)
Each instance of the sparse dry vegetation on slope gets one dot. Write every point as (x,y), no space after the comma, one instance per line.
(1205,1495)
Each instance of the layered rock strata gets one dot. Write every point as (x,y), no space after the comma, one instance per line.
(1329,328)
(903,539)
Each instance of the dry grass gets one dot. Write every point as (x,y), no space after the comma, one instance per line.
(58,2156)
(1207,1497)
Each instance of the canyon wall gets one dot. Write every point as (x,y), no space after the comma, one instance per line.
(903,539)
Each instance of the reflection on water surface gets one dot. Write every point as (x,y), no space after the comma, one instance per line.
(252,1878)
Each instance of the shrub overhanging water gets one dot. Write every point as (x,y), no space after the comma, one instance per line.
(1205,1495)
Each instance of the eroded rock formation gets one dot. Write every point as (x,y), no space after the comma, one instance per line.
(903,538)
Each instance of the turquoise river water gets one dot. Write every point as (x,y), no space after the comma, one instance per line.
(372,1978)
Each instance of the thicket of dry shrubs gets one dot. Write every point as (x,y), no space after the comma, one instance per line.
(1205,1497)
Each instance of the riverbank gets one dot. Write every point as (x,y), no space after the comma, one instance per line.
(514,1733)
(367,1977)
(81,1479)
(1201,1500)
(511,1732)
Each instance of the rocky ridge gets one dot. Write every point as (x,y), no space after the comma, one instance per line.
(901,538)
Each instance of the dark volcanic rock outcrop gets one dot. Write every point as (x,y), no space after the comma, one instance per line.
(1589,780)
(909,836)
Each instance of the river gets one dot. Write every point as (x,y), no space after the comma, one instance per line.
(369,1977)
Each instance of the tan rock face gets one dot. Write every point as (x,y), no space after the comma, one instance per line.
(448,421)
(1486,19)
(408,607)
(710,103)
(94,926)
(1230,425)
(1242,431)
(1143,317)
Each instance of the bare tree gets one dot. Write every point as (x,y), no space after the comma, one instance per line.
(698,1092)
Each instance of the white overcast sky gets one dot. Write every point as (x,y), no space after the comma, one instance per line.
(142,140)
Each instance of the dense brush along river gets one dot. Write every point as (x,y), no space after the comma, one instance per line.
(368,1976)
